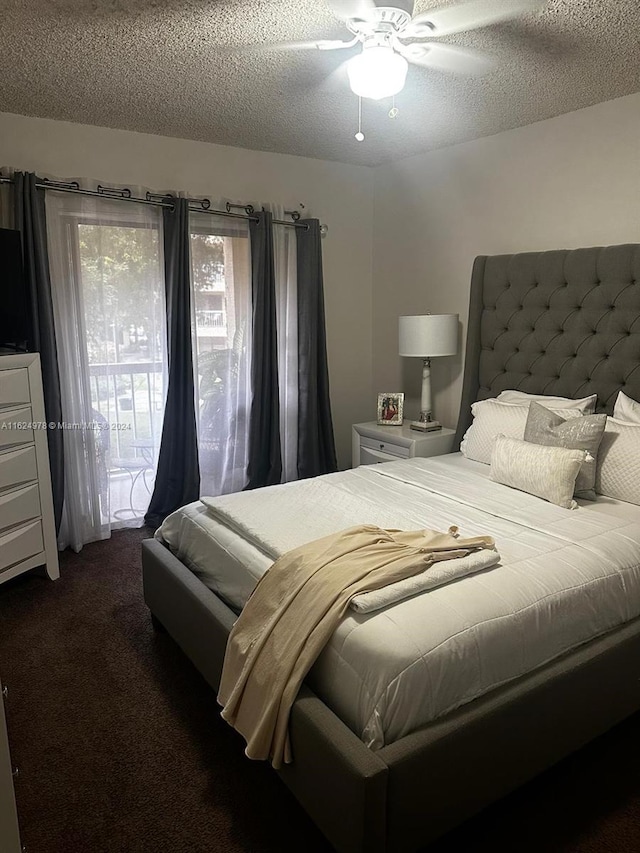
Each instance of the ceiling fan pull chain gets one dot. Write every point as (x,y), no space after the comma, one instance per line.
(393,112)
(360,134)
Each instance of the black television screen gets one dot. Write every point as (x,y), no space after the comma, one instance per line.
(14,318)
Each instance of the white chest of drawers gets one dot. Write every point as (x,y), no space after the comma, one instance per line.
(27,527)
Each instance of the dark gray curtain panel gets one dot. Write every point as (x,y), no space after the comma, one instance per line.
(265,456)
(178,475)
(316,447)
(30,220)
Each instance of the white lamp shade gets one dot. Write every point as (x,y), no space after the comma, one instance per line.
(428,335)
(377,72)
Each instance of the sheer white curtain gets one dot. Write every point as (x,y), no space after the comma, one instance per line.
(108,299)
(285,262)
(221,305)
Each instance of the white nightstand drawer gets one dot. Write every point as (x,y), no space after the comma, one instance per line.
(10,434)
(385,447)
(19,505)
(374,457)
(14,387)
(18,466)
(20,544)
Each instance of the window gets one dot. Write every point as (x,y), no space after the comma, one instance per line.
(221,326)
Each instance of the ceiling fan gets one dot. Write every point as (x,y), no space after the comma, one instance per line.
(391,38)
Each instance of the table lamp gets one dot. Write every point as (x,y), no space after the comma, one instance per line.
(428,336)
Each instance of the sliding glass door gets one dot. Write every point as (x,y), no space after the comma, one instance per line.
(108,291)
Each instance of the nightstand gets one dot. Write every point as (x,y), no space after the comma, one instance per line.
(373,443)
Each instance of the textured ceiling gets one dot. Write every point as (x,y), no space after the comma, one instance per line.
(179,68)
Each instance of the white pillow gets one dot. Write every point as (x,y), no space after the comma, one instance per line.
(618,467)
(547,472)
(626,409)
(587,405)
(492,418)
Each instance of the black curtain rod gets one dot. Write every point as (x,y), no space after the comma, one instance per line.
(157,200)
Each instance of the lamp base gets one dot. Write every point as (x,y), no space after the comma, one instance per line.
(425,426)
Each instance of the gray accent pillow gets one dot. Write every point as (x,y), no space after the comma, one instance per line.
(548,428)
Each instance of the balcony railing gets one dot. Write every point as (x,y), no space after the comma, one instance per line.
(129,398)
(211,324)
(206,318)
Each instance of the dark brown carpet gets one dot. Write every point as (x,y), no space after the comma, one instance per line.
(121,748)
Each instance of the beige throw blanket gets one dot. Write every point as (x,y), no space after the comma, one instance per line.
(294,610)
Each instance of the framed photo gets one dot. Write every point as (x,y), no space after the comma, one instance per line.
(390,408)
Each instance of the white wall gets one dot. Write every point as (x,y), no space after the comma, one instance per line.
(339,195)
(567,182)
(409,246)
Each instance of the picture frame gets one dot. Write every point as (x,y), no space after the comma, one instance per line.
(390,408)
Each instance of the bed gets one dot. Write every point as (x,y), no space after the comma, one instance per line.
(381,777)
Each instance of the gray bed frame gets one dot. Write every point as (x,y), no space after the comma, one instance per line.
(563,322)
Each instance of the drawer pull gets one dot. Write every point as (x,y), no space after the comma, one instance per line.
(382,447)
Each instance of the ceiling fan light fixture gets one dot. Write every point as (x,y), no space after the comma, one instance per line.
(378,72)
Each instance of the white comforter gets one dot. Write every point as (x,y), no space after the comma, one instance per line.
(565,577)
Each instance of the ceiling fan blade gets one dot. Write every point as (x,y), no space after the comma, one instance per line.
(345,9)
(447,57)
(467,16)
(335,45)
(298,45)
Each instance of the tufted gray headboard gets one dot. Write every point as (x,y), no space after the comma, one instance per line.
(564,322)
